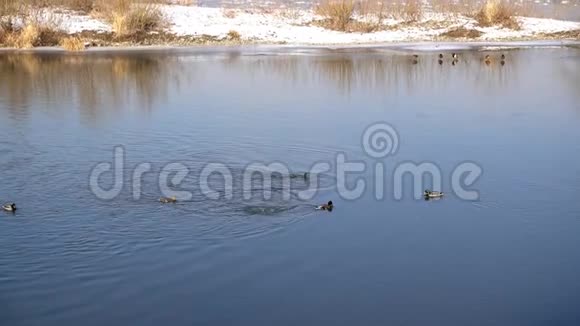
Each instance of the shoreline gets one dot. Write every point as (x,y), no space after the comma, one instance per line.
(192,26)
(265,49)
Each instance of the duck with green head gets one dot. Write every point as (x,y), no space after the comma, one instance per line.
(326,207)
(415,59)
(487,59)
(9,207)
(304,175)
(168,200)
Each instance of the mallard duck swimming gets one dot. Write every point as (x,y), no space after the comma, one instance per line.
(10,207)
(304,175)
(440,55)
(487,59)
(326,207)
(433,194)
(502,57)
(415,59)
(168,200)
(454,56)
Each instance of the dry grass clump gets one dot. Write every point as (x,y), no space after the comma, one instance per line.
(6,27)
(366,15)
(497,13)
(337,13)
(144,18)
(462,32)
(340,15)
(31,35)
(234,36)
(23,25)
(34,28)
(28,27)
(26,38)
(72,44)
(129,17)
(8,8)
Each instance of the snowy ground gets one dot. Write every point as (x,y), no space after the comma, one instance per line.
(294,27)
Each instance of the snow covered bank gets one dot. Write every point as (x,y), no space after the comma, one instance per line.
(296,27)
(279,27)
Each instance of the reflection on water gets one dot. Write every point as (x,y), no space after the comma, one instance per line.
(99,85)
(67,257)
(95,84)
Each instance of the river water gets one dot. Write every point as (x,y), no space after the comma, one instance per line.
(508,257)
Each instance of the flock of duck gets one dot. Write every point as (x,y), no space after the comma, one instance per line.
(329,206)
(487,59)
(11,207)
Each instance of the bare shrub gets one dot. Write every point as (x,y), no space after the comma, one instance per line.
(26,38)
(144,18)
(497,13)
(337,13)
(128,17)
(234,36)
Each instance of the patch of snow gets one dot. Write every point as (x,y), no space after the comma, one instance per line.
(529,27)
(543,25)
(277,28)
(296,29)
(69,21)
(75,23)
